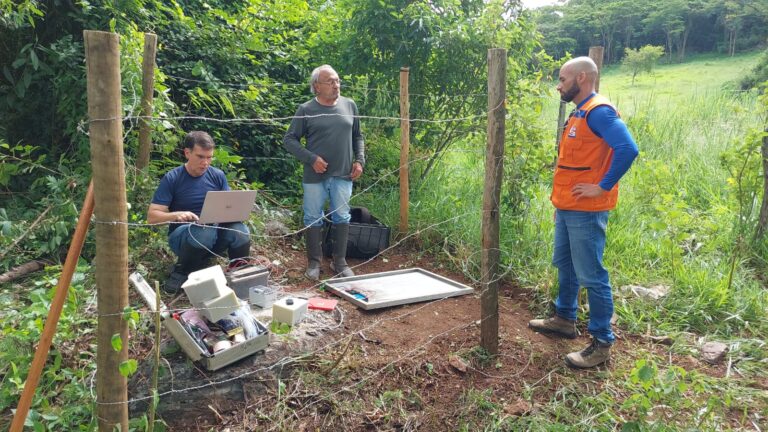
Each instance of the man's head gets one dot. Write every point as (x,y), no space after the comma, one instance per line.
(577,79)
(325,84)
(198,149)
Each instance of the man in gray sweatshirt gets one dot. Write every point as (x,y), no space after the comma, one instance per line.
(333,158)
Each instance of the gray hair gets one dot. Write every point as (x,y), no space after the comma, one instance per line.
(316,76)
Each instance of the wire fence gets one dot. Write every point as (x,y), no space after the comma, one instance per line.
(336,340)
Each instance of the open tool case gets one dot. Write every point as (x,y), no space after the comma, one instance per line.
(193,350)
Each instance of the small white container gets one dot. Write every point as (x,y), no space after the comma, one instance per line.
(205,284)
(220,307)
(262,296)
(289,310)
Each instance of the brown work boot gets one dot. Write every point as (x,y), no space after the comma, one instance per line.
(556,325)
(595,354)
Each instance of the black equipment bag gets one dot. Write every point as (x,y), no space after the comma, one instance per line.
(367,236)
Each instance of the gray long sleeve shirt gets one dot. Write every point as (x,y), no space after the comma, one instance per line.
(331,132)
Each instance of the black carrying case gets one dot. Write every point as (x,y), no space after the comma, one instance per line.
(367,236)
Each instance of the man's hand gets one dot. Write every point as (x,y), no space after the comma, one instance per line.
(320,165)
(160,214)
(587,190)
(185,216)
(357,171)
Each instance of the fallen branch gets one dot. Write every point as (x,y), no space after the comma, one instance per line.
(21,270)
(24,234)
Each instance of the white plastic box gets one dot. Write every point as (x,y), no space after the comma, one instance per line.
(290,314)
(208,291)
(209,361)
(205,284)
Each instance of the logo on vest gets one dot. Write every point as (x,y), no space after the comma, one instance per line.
(572,132)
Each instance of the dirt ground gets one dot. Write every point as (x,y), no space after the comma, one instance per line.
(426,350)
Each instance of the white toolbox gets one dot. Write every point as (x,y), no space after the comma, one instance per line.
(211,362)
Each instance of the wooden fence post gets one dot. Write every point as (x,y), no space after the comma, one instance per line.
(102,54)
(762,219)
(148,89)
(405,143)
(494,172)
(596,54)
(560,127)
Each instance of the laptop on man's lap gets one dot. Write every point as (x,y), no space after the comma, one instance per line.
(227,206)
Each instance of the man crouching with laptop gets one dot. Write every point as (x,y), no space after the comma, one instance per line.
(179,199)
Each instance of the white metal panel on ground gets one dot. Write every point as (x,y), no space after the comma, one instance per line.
(393,288)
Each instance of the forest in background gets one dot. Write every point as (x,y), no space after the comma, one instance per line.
(232,67)
(683,27)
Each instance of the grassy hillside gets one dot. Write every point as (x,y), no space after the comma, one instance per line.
(683,217)
(674,83)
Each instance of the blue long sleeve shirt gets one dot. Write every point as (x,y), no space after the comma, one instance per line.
(605,122)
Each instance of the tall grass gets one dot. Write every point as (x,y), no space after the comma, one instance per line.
(676,220)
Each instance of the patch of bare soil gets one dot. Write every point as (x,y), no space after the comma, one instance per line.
(411,367)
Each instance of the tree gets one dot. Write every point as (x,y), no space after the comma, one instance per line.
(444,43)
(642,60)
(668,18)
(559,41)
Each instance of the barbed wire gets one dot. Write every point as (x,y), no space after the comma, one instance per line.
(383,176)
(286,118)
(320,283)
(306,85)
(289,360)
(358,88)
(285,361)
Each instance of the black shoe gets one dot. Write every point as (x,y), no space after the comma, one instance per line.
(175,281)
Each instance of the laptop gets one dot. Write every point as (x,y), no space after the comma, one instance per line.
(227,206)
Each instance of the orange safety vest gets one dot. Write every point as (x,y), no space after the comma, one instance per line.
(583,158)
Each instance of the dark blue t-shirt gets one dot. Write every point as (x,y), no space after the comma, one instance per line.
(179,191)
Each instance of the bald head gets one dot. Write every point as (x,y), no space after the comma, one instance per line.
(577,79)
(582,64)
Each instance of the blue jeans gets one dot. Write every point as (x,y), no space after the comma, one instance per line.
(209,237)
(578,256)
(338,190)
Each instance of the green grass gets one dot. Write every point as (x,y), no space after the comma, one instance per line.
(674,84)
(677,219)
